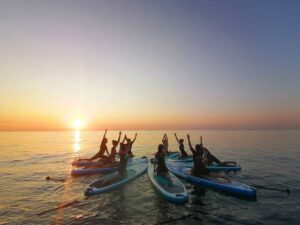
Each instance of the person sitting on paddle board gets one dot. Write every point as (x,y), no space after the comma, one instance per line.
(160,165)
(123,152)
(129,144)
(199,170)
(183,153)
(165,143)
(113,151)
(209,158)
(102,150)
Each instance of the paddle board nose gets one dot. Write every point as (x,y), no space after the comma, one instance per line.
(88,191)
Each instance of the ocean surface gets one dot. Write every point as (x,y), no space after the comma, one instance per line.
(269,160)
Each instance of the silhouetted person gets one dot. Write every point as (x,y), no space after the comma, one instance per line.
(129,144)
(165,143)
(209,158)
(183,153)
(160,165)
(102,150)
(123,152)
(199,170)
(113,151)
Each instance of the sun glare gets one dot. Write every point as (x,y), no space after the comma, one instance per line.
(77,124)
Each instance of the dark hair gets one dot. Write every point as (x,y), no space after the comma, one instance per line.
(181,140)
(114,142)
(160,148)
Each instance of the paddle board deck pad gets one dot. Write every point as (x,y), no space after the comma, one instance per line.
(172,154)
(233,187)
(212,167)
(114,180)
(85,162)
(173,191)
(177,159)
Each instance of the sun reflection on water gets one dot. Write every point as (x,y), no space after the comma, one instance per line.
(76,141)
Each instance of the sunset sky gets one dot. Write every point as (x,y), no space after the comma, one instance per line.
(149,64)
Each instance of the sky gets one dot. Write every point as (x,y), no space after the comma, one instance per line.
(149,64)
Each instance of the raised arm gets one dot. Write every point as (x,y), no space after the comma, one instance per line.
(165,136)
(104,133)
(134,138)
(190,144)
(120,133)
(125,137)
(176,138)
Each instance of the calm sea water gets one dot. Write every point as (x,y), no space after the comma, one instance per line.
(268,158)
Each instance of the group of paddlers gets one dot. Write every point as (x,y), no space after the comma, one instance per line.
(201,158)
(200,154)
(125,151)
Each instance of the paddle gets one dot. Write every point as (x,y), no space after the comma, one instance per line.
(55,179)
(287,190)
(59,207)
(75,202)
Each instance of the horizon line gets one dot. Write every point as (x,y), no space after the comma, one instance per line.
(208,129)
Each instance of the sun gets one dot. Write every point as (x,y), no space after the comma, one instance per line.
(77,123)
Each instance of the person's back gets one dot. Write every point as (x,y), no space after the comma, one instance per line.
(161,164)
(199,169)
(123,152)
(129,145)
(113,151)
(103,147)
(183,153)
(165,143)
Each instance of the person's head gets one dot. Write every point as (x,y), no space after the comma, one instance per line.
(181,141)
(114,143)
(160,148)
(128,140)
(199,148)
